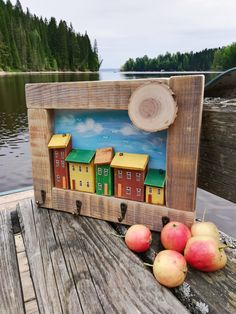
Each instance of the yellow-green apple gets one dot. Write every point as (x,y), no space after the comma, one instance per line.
(206,228)
(138,238)
(174,236)
(170,268)
(205,254)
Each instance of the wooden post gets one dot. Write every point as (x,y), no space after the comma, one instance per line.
(217,165)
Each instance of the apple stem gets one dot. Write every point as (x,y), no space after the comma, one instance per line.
(226,246)
(117,235)
(204,214)
(147,264)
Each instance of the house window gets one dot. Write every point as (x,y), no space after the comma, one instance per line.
(128,175)
(150,189)
(99,171)
(128,190)
(138,176)
(80,169)
(138,192)
(119,174)
(87,184)
(73,167)
(86,168)
(58,178)
(158,191)
(62,155)
(56,153)
(80,183)
(105,172)
(63,164)
(100,186)
(57,163)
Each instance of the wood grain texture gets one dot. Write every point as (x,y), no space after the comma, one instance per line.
(183,143)
(213,293)
(78,267)
(217,165)
(108,208)
(11,298)
(83,95)
(40,130)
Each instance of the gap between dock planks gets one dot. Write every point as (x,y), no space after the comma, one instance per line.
(77,266)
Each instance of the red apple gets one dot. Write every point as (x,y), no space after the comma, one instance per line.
(174,236)
(138,238)
(206,228)
(170,268)
(204,253)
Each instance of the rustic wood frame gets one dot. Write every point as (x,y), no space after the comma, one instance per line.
(182,148)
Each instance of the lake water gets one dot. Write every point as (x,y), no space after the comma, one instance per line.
(15,160)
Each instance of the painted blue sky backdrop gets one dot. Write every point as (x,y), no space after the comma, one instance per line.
(104,128)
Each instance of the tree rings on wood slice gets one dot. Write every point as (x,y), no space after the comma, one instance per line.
(152,107)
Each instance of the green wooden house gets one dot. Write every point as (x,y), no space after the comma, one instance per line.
(104,173)
(155,186)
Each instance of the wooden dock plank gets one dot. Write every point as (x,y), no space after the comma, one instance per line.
(11,298)
(78,267)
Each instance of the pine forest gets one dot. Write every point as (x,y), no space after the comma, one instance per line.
(31,43)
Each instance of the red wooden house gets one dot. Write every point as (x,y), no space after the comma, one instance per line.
(61,146)
(129,175)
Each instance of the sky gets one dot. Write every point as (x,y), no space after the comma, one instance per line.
(99,129)
(132,28)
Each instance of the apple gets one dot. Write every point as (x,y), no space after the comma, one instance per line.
(174,236)
(170,268)
(206,228)
(138,238)
(204,253)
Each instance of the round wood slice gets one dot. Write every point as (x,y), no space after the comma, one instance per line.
(152,107)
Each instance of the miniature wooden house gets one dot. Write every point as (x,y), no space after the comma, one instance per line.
(45,100)
(61,146)
(129,175)
(155,186)
(104,173)
(82,171)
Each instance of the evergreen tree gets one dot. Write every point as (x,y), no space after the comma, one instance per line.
(28,42)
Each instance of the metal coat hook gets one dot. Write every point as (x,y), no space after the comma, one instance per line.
(123,210)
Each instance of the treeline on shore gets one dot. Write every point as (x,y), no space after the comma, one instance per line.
(205,60)
(30,43)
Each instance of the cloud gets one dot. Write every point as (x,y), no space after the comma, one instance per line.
(128,130)
(89,126)
(67,120)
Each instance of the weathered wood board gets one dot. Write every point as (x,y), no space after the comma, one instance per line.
(217,166)
(77,266)
(182,140)
(11,300)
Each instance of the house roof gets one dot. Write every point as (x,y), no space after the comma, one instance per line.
(130,161)
(59,141)
(80,156)
(104,156)
(155,177)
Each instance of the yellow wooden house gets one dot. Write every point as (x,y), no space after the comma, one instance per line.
(155,186)
(82,170)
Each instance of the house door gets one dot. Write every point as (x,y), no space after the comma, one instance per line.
(64,182)
(150,198)
(119,190)
(105,189)
(73,184)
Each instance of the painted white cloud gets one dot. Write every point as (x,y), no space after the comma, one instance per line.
(67,120)
(128,130)
(88,126)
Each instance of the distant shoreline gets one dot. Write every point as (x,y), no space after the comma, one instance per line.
(3,73)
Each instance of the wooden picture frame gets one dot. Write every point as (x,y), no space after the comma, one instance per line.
(182,148)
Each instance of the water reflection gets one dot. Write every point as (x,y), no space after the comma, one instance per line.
(15,160)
